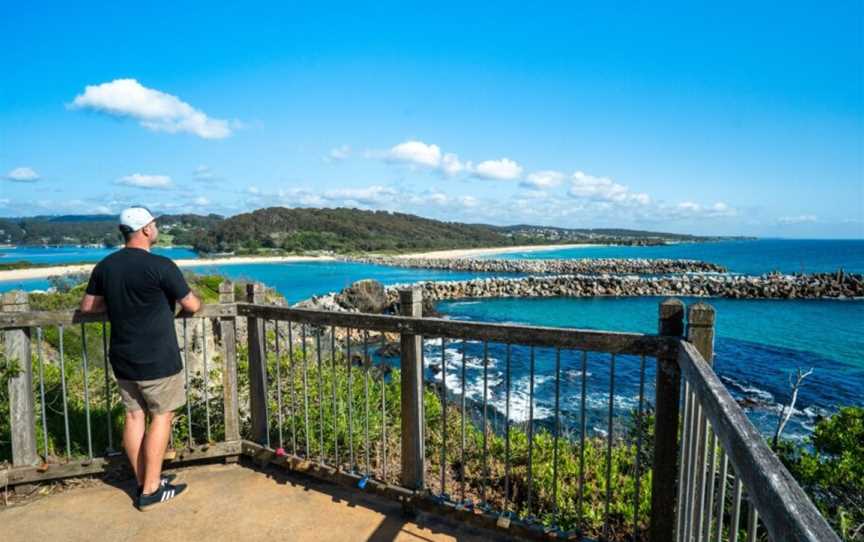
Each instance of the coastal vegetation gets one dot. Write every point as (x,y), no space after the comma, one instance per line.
(341,230)
(828,464)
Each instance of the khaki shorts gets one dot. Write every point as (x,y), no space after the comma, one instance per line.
(154,396)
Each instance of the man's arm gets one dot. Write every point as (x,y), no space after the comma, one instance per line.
(190,303)
(92,303)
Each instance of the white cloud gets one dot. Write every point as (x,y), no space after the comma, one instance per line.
(153,109)
(201,201)
(542,180)
(23,175)
(416,153)
(253,190)
(800,219)
(690,210)
(371,195)
(139,180)
(451,165)
(341,152)
(604,189)
(502,170)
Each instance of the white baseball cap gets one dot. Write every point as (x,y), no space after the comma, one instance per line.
(136,217)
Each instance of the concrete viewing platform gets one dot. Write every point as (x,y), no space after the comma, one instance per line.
(228,502)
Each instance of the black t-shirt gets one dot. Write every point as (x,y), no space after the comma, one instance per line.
(140,291)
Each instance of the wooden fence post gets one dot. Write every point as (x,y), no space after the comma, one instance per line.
(668,386)
(227,331)
(22,408)
(413,449)
(700,333)
(257,367)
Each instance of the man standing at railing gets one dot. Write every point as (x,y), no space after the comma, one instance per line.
(139,291)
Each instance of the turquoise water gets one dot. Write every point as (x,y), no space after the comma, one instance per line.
(758,344)
(750,257)
(298,281)
(73,254)
(66,255)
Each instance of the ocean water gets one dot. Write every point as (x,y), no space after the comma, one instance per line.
(749,257)
(73,254)
(759,343)
(67,255)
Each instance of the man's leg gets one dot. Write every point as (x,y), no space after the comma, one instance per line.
(133,437)
(155,442)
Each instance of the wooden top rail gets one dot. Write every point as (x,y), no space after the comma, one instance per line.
(579,339)
(785,509)
(11,320)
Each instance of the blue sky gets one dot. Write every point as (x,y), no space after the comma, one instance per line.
(733,119)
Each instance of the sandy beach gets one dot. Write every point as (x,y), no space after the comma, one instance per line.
(56,270)
(474,252)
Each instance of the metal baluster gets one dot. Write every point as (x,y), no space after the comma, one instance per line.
(752,521)
(366,364)
(65,400)
(701,474)
(320,395)
(583,428)
(264,381)
(708,509)
(609,446)
(42,390)
(443,418)
(279,420)
(530,431)
(507,432)
(383,428)
(86,391)
(690,511)
(351,463)
(736,509)
(557,433)
(683,467)
(293,378)
(108,416)
(462,447)
(188,391)
(721,497)
(207,380)
(335,403)
(305,389)
(485,422)
(639,426)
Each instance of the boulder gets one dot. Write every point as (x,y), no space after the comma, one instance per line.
(364,296)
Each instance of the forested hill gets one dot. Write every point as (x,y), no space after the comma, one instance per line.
(343,230)
(350,230)
(299,230)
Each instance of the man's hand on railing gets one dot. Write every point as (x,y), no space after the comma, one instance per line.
(189,305)
(92,304)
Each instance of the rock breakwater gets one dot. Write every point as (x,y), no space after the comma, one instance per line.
(630,266)
(769,286)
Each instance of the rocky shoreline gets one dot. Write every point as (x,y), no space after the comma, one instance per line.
(630,266)
(371,296)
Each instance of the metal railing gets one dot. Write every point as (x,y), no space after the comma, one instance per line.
(313,391)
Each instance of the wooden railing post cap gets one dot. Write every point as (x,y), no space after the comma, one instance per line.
(411,294)
(226,291)
(701,314)
(15,301)
(254,287)
(671,307)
